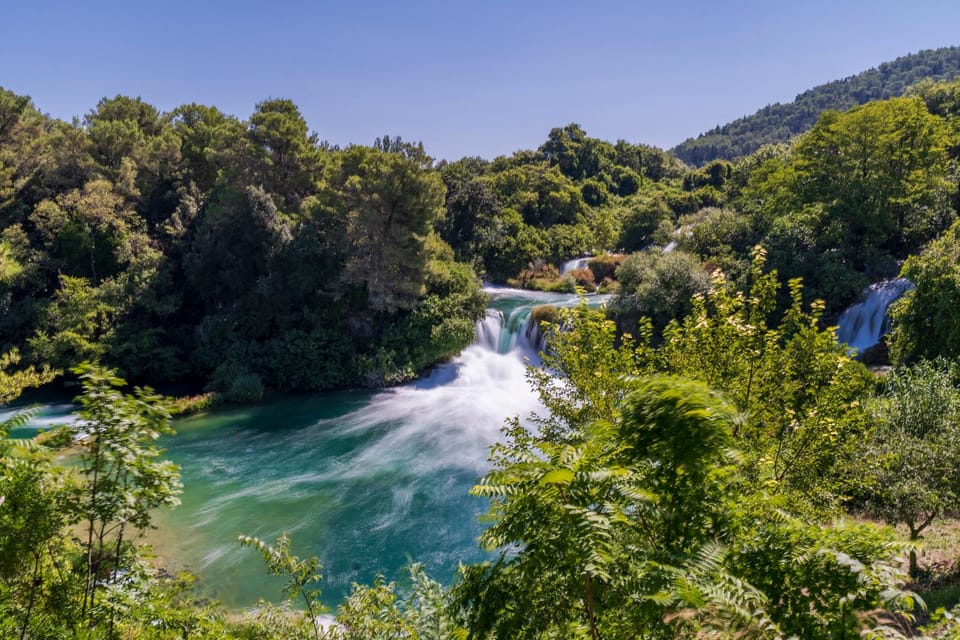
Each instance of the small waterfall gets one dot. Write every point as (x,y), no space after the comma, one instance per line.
(489,329)
(504,332)
(508,327)
(573,265)
(861,325)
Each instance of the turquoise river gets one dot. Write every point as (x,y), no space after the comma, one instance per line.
(368,481)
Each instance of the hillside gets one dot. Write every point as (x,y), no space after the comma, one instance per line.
(780,122)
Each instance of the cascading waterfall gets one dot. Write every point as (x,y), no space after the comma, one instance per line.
(364,480)
(502,332)
(862,325)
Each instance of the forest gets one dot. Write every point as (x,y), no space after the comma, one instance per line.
(780,122)
(711,464)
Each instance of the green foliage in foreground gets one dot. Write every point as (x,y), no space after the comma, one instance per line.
(645,503)
(645,527)
(66,556)
(651,505)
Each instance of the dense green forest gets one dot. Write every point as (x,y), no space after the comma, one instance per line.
(243,256)
(712,463)
(193,246)
(780,122)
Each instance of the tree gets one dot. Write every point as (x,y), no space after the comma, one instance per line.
(124,479)
(798,391)
(857,193)
(925,320)
(92,232)
(472,223)
(881,172)
(302,575)
(877,177)
(210,143)
(288,158)
(658,286)
(13,382)
(914,450)
(240,233)
(390,203)
(33,502)
(644,526)
(421,611)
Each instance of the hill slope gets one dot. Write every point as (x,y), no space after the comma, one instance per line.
(780,122)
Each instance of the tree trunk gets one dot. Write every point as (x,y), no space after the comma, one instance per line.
(594,633)
(34,584)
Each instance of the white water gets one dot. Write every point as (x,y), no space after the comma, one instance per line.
(862,325)
(449,419)
(573,265)
(43,416)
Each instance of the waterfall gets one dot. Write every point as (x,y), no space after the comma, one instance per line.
(861,325)
(506,331)
(509,327)
(573,265)
(356,476)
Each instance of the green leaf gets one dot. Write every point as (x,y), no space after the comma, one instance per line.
(557,476)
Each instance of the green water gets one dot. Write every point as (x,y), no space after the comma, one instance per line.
(344,490)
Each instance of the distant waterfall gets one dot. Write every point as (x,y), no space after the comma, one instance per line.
(573,265)
(862,325)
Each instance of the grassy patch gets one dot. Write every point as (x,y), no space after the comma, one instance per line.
(186,405)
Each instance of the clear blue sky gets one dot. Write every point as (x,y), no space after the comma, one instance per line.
(467,78)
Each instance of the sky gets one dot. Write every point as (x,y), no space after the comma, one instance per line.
(480,78)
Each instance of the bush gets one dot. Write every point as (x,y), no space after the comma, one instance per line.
(245,388)
(235,383)
(925,321)
(658,286)
(640,221)
(544,313)
(605,267)
(583,278)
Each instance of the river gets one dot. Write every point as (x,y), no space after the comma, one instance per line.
(368,481)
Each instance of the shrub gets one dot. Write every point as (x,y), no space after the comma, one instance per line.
(925,321)
(605,266)
(583,278)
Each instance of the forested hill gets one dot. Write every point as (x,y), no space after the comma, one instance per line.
(780,122)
